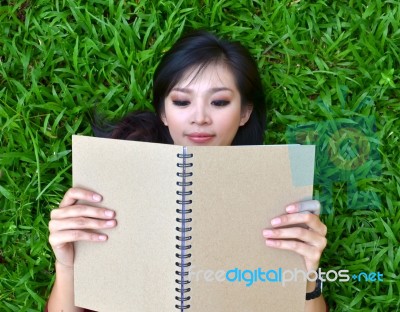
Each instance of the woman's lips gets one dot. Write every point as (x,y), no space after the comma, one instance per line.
(200,137)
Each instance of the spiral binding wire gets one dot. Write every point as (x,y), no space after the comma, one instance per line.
(184,239)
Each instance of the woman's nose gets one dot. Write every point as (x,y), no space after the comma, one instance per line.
(201,114)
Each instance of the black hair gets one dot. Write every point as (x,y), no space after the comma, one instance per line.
(194,51)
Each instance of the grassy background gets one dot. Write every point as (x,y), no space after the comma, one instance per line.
(331,71)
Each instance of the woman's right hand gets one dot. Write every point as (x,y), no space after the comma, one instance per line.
(70,223)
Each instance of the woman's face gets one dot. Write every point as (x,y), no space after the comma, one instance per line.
(205,109)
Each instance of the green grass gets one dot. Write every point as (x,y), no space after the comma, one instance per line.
(327,66)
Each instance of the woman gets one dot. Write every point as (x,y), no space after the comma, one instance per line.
(206,91)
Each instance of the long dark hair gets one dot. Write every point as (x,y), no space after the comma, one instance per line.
(197,50)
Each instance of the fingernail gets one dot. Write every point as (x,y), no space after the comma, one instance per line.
(110,223)
(102,237)
(109,213)
(276,221)
(96,197)
(291,208)
(270,242)
(268,233)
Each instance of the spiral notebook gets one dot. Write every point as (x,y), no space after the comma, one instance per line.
(190,221)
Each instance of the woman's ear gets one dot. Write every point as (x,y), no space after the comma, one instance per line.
(164,119)
(245,114)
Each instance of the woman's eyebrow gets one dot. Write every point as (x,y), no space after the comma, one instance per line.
(212,90)
(184,90)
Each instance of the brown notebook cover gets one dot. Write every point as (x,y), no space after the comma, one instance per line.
(231,194)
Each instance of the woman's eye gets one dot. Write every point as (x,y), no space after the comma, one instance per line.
(220,103)
(181,103)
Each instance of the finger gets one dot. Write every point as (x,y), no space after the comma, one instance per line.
(307,206)
(76,193)
(80,223)
(82,211)
(299,233)
(58,239)
(309,252)
(310,220)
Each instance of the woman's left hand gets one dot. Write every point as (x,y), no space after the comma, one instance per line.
(307,238)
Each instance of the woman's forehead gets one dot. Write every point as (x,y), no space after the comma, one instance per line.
(214,75)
